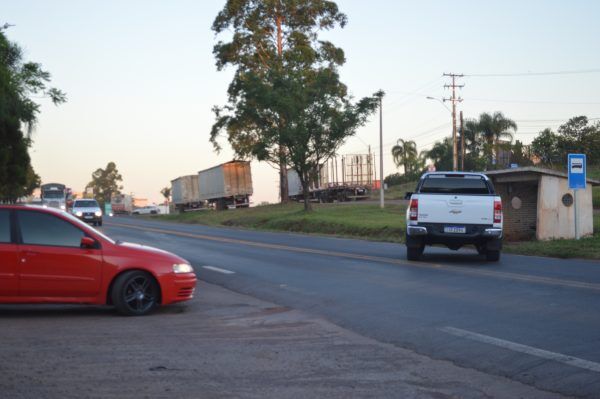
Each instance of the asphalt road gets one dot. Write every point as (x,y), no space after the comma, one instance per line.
(530,319)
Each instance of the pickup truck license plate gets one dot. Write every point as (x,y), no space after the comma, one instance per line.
(455,229)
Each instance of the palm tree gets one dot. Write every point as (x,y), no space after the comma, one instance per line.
(494,128)
(405,154)
(166,192)
(441,154)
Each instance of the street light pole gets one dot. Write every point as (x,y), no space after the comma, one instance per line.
(381,200)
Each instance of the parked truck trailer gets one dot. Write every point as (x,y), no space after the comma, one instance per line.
(228,185)
(355,181)
(121,204)
(185,194)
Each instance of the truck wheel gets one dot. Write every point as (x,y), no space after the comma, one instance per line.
(413,253)
(492,256)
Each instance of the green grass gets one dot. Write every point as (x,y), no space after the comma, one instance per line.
(364,221)
(588,247)
(395,192)
(594,173)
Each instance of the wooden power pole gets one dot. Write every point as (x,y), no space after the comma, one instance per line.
(462,143)
(454,100)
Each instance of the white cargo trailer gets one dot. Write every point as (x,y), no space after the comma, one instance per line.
(228,185)
(185,194)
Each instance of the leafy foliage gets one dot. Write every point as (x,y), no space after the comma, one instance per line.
(19,82)
(105,183)
(405,154)
(577,135)
(166,192)
(286,105)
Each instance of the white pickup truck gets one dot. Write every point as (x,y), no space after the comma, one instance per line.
(454,209)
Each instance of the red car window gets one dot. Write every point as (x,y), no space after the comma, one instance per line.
(39,228)
(4,226)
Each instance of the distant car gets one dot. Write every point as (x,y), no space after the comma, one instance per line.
(146,210)
(87,210)
(49,256)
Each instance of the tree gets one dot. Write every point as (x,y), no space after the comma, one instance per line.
(19,82)
(545,146)
(578,136)
(166,192)
(520,154)
(105,183)
(441,154)
(493,128)
(405,154)
(270,38)
(323,117)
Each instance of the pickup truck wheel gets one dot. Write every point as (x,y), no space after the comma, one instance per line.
(492,256)
(414,253)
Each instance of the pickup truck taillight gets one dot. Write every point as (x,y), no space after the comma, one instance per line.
(413,214)
(497,211)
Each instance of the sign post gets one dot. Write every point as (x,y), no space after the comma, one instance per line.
(577,180)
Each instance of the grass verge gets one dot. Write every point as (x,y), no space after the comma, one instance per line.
(396,192)
(588,247)
(364,221)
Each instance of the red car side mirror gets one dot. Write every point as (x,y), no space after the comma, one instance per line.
(88,243)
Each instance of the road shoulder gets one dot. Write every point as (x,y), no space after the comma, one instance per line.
(222,344)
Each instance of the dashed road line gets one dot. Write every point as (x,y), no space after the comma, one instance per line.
(530,350)
(370,258)
(218,269)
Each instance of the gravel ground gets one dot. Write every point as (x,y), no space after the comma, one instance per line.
(220,345)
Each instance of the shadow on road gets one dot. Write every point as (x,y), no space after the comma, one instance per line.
(70,311)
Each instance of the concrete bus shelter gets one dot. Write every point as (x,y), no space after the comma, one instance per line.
(538,203)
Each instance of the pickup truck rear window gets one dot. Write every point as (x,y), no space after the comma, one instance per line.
(454,185)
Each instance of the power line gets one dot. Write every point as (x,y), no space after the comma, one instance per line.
(569,72)
(531,101)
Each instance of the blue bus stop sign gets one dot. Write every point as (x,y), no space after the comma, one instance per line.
(577,172)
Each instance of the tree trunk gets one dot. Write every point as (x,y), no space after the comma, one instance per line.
(283,183)
(305,192)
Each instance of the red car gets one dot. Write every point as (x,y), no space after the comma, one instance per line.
(49,256)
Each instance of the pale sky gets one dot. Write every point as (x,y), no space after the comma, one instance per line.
(141,80)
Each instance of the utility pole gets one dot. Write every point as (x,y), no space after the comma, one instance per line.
(454,100)
(462,142)
(381,204)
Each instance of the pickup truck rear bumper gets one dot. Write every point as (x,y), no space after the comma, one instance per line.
(433,233)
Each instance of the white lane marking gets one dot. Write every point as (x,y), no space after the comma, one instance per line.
(218,270)
(557,357)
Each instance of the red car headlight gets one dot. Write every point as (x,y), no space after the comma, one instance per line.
(182,268)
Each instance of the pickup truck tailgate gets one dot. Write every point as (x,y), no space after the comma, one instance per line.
(456,209)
